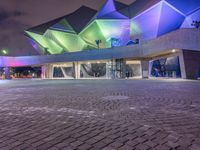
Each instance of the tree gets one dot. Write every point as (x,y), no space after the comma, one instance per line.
(196,24)
(98,42)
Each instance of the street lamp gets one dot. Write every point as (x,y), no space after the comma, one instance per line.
(4,51)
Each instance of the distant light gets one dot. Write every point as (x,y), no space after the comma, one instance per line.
(89,63)
(4,51)
(173,51)
(98,62)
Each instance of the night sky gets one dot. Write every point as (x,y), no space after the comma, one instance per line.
(18,15)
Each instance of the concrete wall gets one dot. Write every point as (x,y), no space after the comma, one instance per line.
(145,68)
(192,63)
(180,39)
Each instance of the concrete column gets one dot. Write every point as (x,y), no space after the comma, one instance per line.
(50,71)
(182,65)
(123,69)
(145,68)
(77,70)
(7,73)
(113,69)
(109,69)
(191,61)
(43,72)
(47,71)
(150,68)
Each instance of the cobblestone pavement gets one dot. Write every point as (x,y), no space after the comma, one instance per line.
(100,115)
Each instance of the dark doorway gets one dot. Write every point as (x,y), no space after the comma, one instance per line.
(26,72)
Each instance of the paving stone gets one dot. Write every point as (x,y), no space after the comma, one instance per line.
(172,144)
(76,143)
(61,145)
(108,148)
(36,144)
(91,141)
(133,143)
(162,147)
(194,147)
(142,147)
(53,148)
(84,147)
(107,141)
(45,146)
(68,148)
(116,145)
(100,145)
(126,147)
(151,144)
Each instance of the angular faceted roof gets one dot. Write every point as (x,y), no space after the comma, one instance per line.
(41,29)
(80,18)
(113,9)
(140,6)
(157,20)
(143,19)
(110,10)
(185,6)
(195,16)
(119,5)
(63,26)
(77,20)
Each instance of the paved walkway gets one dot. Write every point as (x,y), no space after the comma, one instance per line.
(100,115)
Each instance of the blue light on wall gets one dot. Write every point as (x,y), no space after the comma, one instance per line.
(170,20)
(185,6)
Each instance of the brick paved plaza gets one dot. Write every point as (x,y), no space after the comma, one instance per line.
(100,115)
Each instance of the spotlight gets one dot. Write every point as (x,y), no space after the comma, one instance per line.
(173,51)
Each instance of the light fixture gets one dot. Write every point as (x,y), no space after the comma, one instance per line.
(4,51)
(173,51)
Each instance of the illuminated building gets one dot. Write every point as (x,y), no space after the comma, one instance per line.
(148,38)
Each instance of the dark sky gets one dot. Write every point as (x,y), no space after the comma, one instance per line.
(18,15)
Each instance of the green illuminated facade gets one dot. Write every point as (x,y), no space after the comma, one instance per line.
(80,30)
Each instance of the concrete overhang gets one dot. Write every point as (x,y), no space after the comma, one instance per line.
(187,39)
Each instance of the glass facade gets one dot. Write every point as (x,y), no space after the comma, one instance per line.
(166,67)
(94,70)
(63,71)
(103,69)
